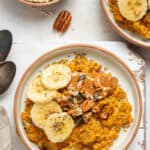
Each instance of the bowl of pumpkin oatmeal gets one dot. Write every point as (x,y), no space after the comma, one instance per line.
(131,19)
(77,97)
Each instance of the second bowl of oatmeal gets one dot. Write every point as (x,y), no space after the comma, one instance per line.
(75,97)
(130,19)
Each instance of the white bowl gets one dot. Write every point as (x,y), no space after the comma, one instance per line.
(129,36)
(107,59)
(39,4)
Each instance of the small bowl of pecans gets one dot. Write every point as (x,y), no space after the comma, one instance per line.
(39,3)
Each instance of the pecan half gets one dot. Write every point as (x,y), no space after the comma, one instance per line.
(63,21)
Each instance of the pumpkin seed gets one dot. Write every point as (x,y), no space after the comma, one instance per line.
(82,77)
(79,121)
(79,98)
(95,96)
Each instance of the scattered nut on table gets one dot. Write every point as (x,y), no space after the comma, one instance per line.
(63,21)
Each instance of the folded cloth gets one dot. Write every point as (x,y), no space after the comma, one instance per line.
(5,131)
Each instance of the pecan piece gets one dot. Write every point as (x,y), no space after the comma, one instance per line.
(87,116)
(103,116)
(64,104)
(87,105)
(75,112)
(96,109)
(63,21)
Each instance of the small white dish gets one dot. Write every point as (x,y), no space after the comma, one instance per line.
(39,4)
(129,36)
(107,59)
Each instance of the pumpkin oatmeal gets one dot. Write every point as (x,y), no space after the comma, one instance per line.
(89,112)
(140,27)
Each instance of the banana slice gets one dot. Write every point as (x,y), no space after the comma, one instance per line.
(58,127)
(133,10)
(40,112)
(56,76)
(148,4)
(37,93)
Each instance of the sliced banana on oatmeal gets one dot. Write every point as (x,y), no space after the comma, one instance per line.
(56,76)
(37,93)
(40,112)
(148,4)
(133,10)
(58,127)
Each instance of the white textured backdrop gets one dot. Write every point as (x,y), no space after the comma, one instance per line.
(28,25)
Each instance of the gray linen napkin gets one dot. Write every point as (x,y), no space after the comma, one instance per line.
(5,131)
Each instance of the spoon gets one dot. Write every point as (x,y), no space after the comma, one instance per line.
(5,44)
(7,73)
